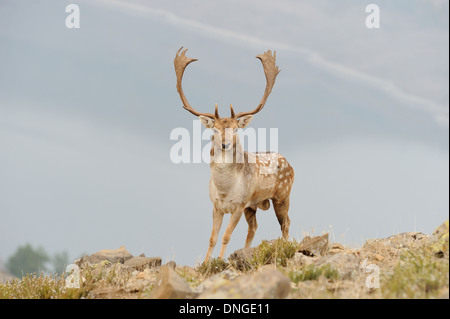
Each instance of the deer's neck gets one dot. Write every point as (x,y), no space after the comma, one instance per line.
(227,168)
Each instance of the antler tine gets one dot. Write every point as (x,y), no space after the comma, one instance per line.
(271,71)
(181,62)
(216,112)
(232,112)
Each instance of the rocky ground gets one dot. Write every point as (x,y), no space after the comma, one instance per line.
(406,265)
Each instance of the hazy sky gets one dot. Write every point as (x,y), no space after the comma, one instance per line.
(86,116)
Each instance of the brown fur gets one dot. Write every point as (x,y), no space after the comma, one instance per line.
(241,182)
(244,187)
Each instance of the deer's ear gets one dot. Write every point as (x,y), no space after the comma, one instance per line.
(206,121)
(244,121)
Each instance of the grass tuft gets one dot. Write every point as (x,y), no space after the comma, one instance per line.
(312,272)
(212,267)
(277,251)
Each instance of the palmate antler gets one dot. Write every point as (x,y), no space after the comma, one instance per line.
(271,71)
(181,62)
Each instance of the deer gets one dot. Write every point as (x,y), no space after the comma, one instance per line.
(241,181)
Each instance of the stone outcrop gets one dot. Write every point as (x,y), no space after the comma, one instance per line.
(266,284)
(119,255)
(141,263)
(241,258)
(314,246)
(346,264)
(170,285)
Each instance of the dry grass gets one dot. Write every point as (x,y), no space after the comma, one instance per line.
(212,267)
(39,287)
(417,275)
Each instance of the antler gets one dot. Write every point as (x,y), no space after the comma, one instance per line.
(271,71)
(181,62)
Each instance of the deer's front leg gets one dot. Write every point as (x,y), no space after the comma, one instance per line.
(217,223)
(234,219)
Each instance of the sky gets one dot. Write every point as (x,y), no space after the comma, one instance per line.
(86,116)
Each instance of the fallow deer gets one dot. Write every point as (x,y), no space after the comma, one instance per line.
(241,181)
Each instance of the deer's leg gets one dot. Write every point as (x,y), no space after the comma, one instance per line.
(250,216)
(217,223)
(281,210)
(234,219)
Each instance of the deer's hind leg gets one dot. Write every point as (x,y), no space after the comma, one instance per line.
(281,208)
(250,216)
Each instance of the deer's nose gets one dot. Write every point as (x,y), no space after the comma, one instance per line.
(225,146)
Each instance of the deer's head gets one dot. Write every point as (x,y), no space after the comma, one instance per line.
(225,129)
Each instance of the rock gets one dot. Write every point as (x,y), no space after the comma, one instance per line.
(172,264)
(120,254)
(187,271)
(112,255)
(141,281)
(441,230)
(302,260)
(217,280)
(346,264)
(170,285)
(314,246)
(141,263)
(378,257)
(240,258)
(106,292)
(391,248)
(440,241)
(409,240)
(336,248)
(266,284)
(90,260)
